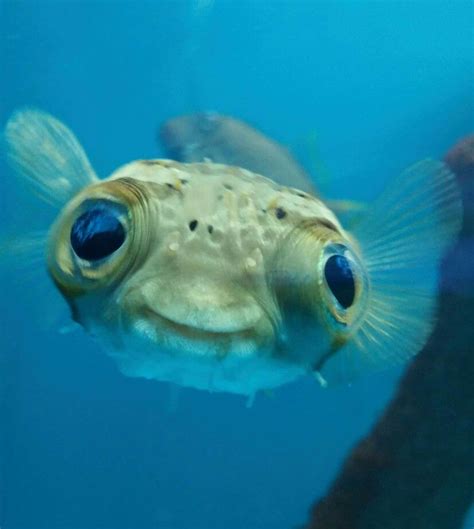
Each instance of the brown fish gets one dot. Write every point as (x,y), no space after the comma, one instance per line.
(224,139)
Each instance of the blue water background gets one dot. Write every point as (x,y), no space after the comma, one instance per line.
(379,84)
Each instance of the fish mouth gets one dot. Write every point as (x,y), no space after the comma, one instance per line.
(168,332)
(236,361)
(183,321)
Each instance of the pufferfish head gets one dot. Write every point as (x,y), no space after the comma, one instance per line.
(213,277)
(239,283)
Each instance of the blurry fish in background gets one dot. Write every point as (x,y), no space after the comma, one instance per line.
(224,139)
(214,277)
(209,136)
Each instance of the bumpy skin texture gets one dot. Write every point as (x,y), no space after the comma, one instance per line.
(416,469)
(196,293)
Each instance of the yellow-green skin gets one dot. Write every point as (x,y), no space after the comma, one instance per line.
(219,283)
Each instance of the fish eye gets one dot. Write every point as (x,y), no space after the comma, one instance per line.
(344,282)
(97,233)
(340,279)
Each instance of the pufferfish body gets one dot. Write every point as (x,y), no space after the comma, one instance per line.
(211,276)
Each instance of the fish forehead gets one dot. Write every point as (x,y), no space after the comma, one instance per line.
(211,206)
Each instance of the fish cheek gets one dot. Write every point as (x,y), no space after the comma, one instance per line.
(306,336)
(317,322)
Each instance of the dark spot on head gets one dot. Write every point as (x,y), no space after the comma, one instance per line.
(327,224)
(171,186)
(210,228)
(264,210)
(183,180)
(302,195)
(193,225)
(228,186)
(151,162)
(280,213)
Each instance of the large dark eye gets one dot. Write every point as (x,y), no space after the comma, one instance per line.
(97,233)
(340,279)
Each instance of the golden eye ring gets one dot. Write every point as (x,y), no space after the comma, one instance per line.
(93,242)
(343,286)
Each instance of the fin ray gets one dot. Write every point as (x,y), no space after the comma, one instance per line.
(47,155)
(402,238)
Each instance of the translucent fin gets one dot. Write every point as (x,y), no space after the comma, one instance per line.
(346,206)
(403,238)
(24,252)
(47,155)
(349,212)
(23,259)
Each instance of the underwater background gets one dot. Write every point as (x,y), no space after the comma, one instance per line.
(358,90)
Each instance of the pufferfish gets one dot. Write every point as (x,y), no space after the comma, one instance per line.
(213,277)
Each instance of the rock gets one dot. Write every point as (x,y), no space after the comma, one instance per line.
(415,470)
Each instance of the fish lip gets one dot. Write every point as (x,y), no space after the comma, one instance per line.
(163,323)
(135,312)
